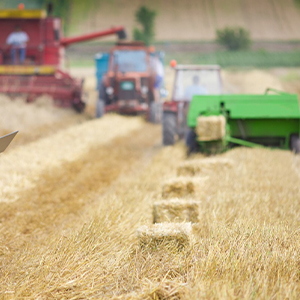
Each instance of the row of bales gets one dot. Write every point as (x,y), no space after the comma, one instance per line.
(175,216)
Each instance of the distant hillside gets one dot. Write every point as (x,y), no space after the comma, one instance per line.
(192,19)
(183,20)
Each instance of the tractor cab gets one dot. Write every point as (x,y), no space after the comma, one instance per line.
(128,84)
(189,80)
(195,80)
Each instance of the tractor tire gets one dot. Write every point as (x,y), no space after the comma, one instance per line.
(100,108)
(169,128)
(295,143)
(155,112)
(79,107)
(191,141)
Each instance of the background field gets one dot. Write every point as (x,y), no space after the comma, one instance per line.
(193,19)
(183,20)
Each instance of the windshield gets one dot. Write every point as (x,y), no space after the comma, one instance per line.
(130,60)
(196,82)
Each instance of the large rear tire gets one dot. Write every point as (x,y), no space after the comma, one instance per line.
(191,141)
(79,106)
(100,108)
(169,128)
(295,143)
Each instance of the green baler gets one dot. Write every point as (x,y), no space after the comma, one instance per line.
(251,120)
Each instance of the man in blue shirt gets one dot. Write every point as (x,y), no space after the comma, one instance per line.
(18,41)
(194,89)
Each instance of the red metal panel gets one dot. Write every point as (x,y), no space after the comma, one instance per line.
(64,90)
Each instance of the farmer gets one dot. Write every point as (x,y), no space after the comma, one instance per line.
(159,72)
(18,41)
(194,89)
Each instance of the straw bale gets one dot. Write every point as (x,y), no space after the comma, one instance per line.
(177,235)
(176,210)
(211,128)
(201,166)
(182,187)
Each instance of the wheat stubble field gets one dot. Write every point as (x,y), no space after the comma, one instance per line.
(73,197)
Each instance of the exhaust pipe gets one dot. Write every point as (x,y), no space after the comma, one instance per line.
(122,34)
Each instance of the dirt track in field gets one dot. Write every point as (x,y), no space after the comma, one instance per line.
(61,193)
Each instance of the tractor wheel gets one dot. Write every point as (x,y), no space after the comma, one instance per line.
(79,106)
(155,112)
(169,128)
(295,143)
(191,141)
(100,108)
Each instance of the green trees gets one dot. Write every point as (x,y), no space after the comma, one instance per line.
(145,17)
(234,38)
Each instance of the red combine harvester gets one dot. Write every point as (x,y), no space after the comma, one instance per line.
(41,73)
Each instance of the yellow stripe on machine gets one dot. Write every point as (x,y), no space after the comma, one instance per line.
(26,70)
(22,14)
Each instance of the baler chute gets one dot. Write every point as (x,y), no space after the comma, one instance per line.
(42,71)
(250,120)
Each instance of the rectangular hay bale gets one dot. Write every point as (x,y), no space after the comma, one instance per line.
(202,166)
(211,128)
(176,210)
(182,187)
(173,235)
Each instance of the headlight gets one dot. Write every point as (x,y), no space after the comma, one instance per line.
(144,89)
(109,90)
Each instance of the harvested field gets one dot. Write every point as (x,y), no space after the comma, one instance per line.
(80,250)
(250,82)
(70,212)
(195,167)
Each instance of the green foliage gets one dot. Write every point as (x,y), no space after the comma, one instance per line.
(145,17)
(234,38)
(297,2)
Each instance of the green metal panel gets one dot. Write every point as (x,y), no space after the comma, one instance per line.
(263,127)
(262,106)
(284,106)
(202,105)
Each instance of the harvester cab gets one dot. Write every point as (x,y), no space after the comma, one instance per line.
(189,80)
(41,70)
(127,81)
(218,122)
